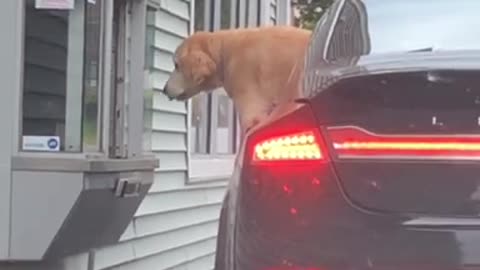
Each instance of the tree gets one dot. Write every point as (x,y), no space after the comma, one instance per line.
(308,12)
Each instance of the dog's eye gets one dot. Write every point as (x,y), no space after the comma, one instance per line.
(176,65)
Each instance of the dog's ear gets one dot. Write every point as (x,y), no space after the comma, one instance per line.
(203,67)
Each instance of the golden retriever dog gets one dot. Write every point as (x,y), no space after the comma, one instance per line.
(253,65)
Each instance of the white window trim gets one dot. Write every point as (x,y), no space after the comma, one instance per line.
(208,168)
(204,168)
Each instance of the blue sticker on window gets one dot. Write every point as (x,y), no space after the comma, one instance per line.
(52,143)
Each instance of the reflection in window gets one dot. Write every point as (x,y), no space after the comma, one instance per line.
(199,24)
(199,104)
(54,81)
(149,92)
(225,125)
(199,124)
(225,17)
(273,12)
(91,86)
(350,37)
(212,124)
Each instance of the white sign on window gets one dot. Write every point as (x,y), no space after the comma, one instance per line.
(41,143)
(54,4)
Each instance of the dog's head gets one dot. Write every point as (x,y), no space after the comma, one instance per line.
(195,69)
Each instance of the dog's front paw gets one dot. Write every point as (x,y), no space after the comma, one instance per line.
(253,123)
(250,127)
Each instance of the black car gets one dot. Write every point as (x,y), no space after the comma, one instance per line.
(379,166)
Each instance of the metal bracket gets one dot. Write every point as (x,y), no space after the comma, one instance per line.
(127,187)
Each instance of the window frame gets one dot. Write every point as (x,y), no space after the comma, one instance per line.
(243,13)
(26,159)
(74,109)
(152,8)
(71,162)
(213,167)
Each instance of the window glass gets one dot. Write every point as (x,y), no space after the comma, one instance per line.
(273,13)
(199,24)
(258,20)
(149,92)
(225,133)
(349,37)
(226,16)
(224,136)
(199,124)
(60,70)
(90,107)
(212,124)
(200,118)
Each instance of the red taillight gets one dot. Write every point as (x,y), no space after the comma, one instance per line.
(354,142)
(297,146)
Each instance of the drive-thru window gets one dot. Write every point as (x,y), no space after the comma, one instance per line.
(73,166)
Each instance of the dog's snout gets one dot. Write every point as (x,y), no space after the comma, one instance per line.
(165,91)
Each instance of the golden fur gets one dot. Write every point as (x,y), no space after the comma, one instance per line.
(253,65)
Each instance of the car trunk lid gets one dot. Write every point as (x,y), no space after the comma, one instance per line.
(406,141)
